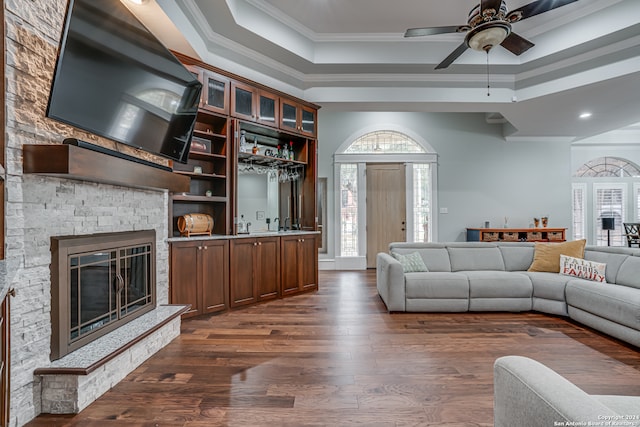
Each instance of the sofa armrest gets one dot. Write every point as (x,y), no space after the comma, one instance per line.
(529,394)
(390,282)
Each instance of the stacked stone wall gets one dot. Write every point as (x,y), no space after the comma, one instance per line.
(38,207)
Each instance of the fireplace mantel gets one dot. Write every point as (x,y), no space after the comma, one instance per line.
(69,161)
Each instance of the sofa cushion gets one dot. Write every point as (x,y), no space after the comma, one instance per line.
(548,285)
(516,257)
(613,261)
(411,262)
(435,258)
(436,285)
(628,273)
(620,304)
(583,269)
(546,256)
(467,258)
(498,284)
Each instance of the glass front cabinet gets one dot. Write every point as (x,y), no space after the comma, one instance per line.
(250,103)
(297,117)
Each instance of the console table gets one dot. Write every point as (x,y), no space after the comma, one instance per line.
(539,234)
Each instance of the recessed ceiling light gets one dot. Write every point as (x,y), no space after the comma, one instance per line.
(138,1)
(585,115)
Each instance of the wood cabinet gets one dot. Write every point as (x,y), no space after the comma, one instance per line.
(215,89)
(297,117)
(255,270)
(229,105)
(542,234)
(299,263)
(208,167)
(215,92)
(200,275)
(254,104)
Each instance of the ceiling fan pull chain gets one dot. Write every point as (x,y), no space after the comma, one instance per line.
(488,83)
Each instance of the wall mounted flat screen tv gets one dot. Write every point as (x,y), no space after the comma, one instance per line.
(113,78)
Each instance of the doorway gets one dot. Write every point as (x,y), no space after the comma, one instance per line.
(386,207)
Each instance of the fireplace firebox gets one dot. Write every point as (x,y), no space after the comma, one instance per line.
(98,283)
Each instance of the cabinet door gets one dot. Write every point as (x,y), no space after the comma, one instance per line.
(308,262)
(288,115)
(184,276)
(214,257)
(243,101)
(268,268)
(297,117)
(307,121)
(289,263)
(242,289)
(215,92)
(198,73)
(267,108)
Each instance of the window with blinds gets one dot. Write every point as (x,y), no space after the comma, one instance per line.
(609,202)
(579,205)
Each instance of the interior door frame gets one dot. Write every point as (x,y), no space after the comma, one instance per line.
(360,262)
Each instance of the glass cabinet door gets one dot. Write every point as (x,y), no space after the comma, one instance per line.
(289,115)
(215,91)
(267,108)
(308,124)
(242,101)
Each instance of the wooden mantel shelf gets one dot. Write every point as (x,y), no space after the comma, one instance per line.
(69,161)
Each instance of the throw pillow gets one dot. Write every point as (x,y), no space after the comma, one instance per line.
(590,270)
(546,256)
(411,263)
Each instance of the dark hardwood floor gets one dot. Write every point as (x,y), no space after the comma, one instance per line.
(337,358)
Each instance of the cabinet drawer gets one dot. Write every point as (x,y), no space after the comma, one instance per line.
(510,236)
(555,235)
(490,236)
(534,235)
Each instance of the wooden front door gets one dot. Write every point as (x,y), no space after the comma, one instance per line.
(386,208)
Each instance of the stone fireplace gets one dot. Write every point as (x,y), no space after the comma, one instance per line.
(98,283)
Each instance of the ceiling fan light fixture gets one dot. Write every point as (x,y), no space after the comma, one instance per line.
(484,37)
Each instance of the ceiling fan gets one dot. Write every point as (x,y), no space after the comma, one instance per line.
(489,25)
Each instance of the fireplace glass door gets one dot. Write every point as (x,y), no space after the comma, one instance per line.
(99,282)
(107,286)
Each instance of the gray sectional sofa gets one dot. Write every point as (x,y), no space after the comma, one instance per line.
(483,276)
(529,394)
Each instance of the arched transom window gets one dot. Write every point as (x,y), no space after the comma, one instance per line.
(384,142)
(612,167)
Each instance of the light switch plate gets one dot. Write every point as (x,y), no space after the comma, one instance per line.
(260,215)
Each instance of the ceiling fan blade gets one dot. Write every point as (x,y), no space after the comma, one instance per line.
(452,56)
(539,6)
(516,44)
(430,31)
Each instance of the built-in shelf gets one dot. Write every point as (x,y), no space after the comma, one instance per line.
(192,198)
(69,161)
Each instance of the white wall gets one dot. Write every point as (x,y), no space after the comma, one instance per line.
(480,176)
